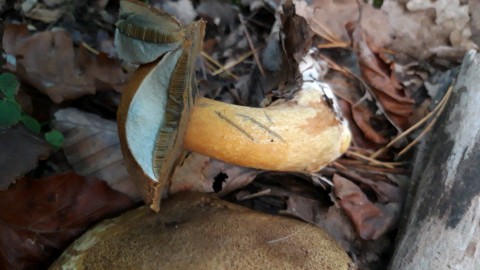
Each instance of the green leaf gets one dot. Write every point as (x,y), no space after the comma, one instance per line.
(377,3)
(31,123)
(10,113)
(55,138)
(8,85)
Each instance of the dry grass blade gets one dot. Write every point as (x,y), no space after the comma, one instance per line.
(430,125)
(370,160)
(361,167)
(330,37)
(90,48)
(232,64)
(217,64)
(252,47)
(368,90)
(345,71)
(333,45)
(434,113)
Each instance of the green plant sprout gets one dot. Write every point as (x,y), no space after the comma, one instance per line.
(11,112)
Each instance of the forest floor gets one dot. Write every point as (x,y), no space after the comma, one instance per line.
(389,65)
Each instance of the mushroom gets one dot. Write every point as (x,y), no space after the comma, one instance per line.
(199,231)
(161,117)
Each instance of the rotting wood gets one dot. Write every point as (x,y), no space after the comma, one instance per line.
(441,229)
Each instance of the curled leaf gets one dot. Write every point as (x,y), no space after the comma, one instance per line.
(40,217)
(20,152)
(370,220)
(92,147)
(49,61)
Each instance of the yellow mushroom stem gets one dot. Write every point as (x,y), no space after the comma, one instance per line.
(302,134)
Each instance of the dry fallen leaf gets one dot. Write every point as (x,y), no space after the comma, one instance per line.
(370,220)
(328,19)
(358,136)
(20,152)
(41,217)
(92,147)
(203,174)
(49,61)
(362,117)
(379,75)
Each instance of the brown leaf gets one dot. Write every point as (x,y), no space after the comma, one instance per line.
(358,136)
(303,208)
(92,147)
(49,61)
(203,174)
(40,217)
(298,35)
(370,220)
(328,18)
(378,74)
(361,116)
(20,152)
(385,191)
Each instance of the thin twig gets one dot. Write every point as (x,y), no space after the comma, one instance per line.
(430,125)
(370,159)
(318,178)
(217,64)
(333,45)
(327,33)
(255,195)
(345,71)
(252,47)
(415,126)
(232,64)
(90,48)
(368,90)
(370,169)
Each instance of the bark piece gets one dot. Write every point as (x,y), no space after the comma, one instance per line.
(441,229)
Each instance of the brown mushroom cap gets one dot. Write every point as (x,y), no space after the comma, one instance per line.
(201,232)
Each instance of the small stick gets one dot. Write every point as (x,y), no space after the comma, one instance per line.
(333,45)
(232,64)
(255,195)
(416,125)
(370,159)
(90,48)
(430,125)
(216,63)
(328,34)
(250,43)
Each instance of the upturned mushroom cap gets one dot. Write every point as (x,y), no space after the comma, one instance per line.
(201,232)
(144,33)
(155,106)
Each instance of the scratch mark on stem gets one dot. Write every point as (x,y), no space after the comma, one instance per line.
(228,120)
(267,129)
